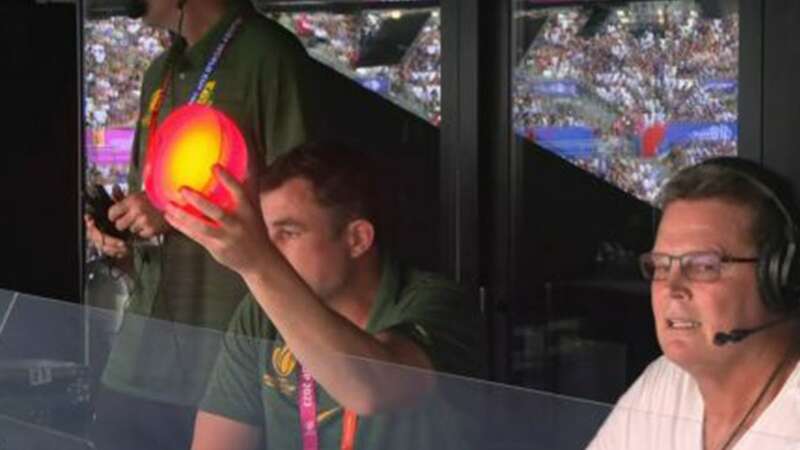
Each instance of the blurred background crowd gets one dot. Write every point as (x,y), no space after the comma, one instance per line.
(629,93)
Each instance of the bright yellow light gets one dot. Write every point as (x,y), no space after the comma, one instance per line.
(183,151)
(196,151)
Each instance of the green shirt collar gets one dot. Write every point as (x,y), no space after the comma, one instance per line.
(388,291)
(198,55)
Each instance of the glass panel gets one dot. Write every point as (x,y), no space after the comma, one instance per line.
(165,362)
(609,99)
(45,401)
(393,50)
(629,92)
(117,52)
(390,46)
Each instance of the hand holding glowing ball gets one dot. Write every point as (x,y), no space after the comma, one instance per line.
(183,151)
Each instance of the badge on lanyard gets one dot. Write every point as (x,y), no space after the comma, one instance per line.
(307,405)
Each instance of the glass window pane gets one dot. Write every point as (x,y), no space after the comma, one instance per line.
(393,52)
(117,52)
(629,92)
(624,92)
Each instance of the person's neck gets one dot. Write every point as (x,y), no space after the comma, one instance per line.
(357,302)
(199,18)
(729,393)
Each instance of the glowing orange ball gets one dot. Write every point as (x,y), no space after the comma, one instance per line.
(183,151)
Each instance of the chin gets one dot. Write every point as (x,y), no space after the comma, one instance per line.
(678,347)
(684,354)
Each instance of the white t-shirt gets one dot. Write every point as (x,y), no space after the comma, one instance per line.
(663,410)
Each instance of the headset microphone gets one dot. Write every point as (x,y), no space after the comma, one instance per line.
(738,334)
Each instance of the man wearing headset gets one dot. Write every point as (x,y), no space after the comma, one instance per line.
(724,271)
(229,57)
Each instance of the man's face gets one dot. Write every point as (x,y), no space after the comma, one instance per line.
(689,313)
(306,234)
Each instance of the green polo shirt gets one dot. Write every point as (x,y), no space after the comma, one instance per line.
(259,84)
(256,377)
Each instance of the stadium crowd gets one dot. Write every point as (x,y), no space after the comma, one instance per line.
(634,72)
(113,77)
(661,69)
(649,72)
(117,52)
(414,82)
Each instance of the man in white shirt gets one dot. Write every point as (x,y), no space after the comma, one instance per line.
(725,282)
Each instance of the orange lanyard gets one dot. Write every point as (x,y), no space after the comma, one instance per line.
(349,427)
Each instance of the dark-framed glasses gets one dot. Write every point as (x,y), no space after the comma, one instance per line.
(695,266)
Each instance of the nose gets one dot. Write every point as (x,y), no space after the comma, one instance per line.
(677,282)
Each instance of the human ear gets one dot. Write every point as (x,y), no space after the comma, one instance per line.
(360,237)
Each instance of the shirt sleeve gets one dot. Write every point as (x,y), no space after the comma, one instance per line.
(234,390)
(442,320)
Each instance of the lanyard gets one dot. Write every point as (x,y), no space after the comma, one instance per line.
(209,69)
(307,404)
(211,66)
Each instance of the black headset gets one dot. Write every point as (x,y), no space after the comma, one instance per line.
(778,268)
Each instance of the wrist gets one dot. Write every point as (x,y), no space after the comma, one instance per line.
(260,265)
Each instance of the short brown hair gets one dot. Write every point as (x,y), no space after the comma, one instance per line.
(740,182)
(343,179)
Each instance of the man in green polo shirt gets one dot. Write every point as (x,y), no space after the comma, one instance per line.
(330,318)
(156,373)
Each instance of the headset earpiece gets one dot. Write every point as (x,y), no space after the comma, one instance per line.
(778,271)
(768,271)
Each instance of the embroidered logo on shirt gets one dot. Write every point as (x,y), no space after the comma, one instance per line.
(284,364)
(206,96)
(283,361)
(324,416)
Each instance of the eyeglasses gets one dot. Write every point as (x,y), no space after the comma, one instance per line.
(695,266)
